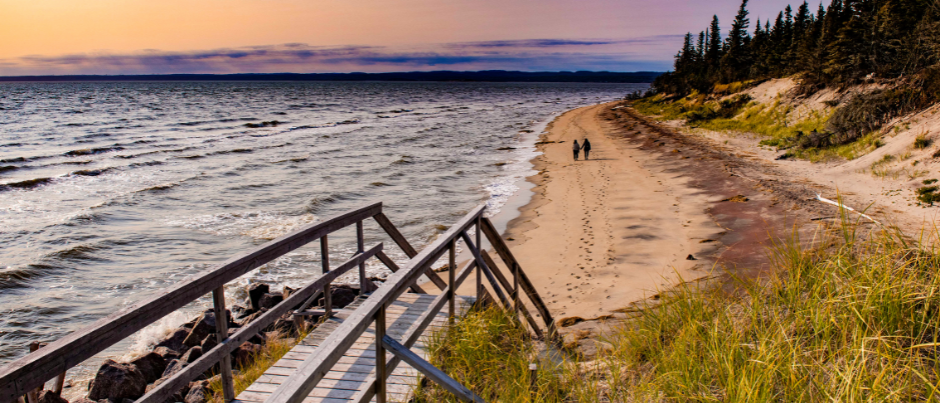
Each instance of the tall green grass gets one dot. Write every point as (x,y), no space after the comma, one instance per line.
(489,352)
(856,317)
(771,121)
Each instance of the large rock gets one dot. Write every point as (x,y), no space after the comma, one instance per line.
(197,394)
(342,295)
(176,397)
(117,381)
(167,353)
(47,396)
(209,343)
(248,319)
(151,366)
(173,367)
(192,355)
(244,353)
(204,326)
(175,340)
(270,300)
(255,292)
(284,325)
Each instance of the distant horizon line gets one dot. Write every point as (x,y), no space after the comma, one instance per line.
(438,75)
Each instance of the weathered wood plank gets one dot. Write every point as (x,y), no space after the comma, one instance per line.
(313,369)
(431,372)
(35,369)
(414,333)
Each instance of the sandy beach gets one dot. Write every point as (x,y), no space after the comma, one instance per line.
(649,210)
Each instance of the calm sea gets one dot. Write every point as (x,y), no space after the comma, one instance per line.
(110,191)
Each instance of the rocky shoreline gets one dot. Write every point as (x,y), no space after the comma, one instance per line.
(124,382)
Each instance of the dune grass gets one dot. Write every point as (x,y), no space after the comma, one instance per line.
(489,352)
(854,318)
(770,121)
(276,345)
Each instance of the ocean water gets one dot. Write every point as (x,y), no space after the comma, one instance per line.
(112,191)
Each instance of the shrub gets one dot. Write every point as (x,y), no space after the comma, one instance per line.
(928,194)
(922,142)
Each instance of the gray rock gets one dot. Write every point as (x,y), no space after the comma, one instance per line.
(83,400)
(342,295)
(197,394)
(255,292)
(175,341)
(176,397)
(117,381)
(173,367)
(245,352)
(270,300)
(167,353)
(192,355)
(47,396)
(209,343)
(151,366)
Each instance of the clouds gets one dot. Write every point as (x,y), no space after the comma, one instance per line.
(627,54)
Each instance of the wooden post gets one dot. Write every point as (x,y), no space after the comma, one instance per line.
(360,247)
(515,287)
(221,333)
(479,267)
(533,378)
(33,395)
(451,273)
(59,384)
(380,370)
(325,261)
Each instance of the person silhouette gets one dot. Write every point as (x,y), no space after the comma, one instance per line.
(577,149)
(587,149)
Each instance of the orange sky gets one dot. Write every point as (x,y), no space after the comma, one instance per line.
(94,27)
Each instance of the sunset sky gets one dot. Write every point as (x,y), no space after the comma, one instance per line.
(310,36)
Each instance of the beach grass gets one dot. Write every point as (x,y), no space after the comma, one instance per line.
(774,123)
(853,315)
(276,345)
(490,352)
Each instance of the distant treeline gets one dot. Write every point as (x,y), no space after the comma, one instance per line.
(469,76)
(842,44)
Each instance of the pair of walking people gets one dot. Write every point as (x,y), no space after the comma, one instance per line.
(577,149)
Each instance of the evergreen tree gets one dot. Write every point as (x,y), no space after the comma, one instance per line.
(839,44)
(737,56)
(713,54)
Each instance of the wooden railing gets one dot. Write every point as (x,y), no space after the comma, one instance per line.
(30,372)
(299,384)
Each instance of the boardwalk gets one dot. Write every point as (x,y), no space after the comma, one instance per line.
(349,374)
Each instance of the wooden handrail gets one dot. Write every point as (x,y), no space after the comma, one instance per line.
(166,389)
(30,372)
(35,369)
(503,251)
(413,333)
(299,384)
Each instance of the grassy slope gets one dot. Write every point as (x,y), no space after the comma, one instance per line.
(770,121)
(856,319)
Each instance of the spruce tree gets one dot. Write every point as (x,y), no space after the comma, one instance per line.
(737,57)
